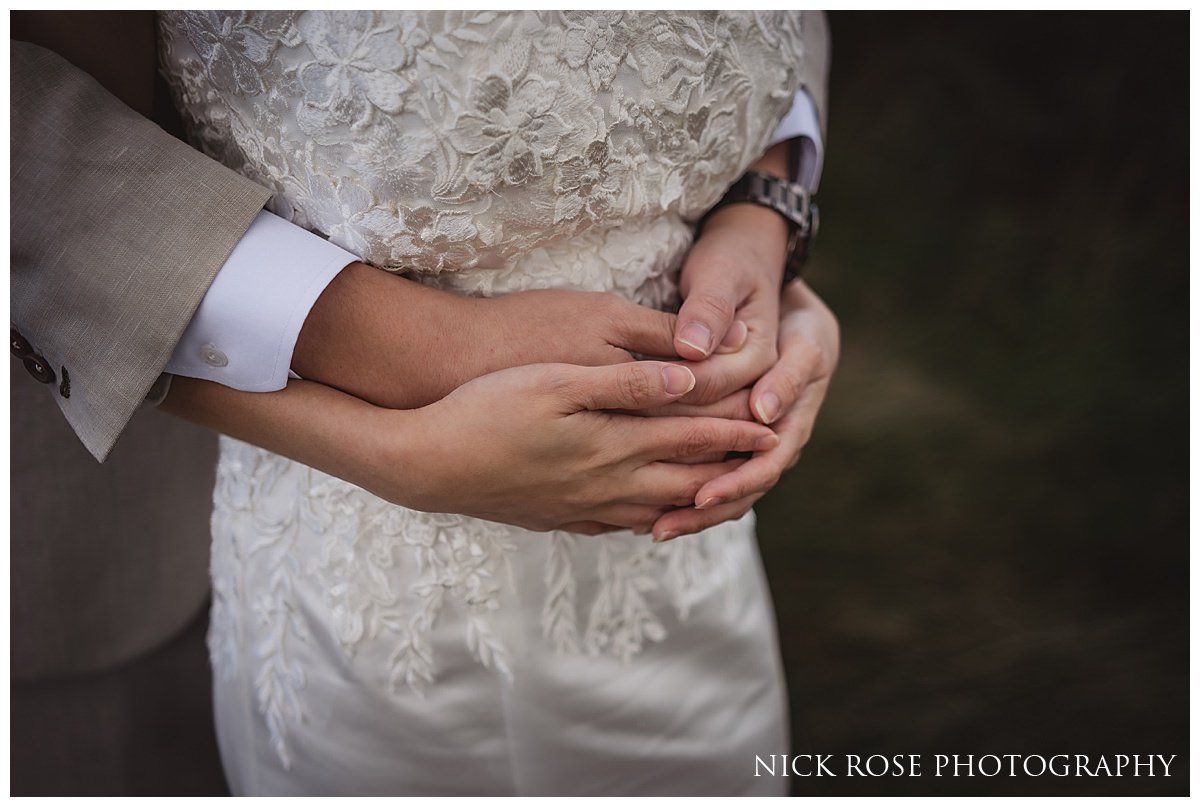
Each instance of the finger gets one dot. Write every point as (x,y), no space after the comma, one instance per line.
(588,528)
(670,483)
(638,517)
(755,477)
(780,387)
(717,456)
(735,337)
(732,407)
(644,330)
(679,438)
(723,375)
(712,297)
(762,472)
(689,520)
(632,385)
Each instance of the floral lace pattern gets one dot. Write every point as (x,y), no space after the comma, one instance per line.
(441,141)
(385,574)
(482,152)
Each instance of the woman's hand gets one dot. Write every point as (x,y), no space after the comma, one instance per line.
(526,446)
(531,446)
(788,396)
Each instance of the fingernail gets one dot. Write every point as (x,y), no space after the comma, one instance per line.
(735,337)
(711,501)
(669,535)
(697,335)
(766,442)
(767,407)
(678,380)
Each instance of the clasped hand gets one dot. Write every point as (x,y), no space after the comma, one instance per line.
(530,409)
(605,443)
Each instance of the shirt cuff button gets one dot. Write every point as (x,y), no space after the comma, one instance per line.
(212,356)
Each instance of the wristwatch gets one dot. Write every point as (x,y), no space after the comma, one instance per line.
(790,200)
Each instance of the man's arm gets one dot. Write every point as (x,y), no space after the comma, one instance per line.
(117,231)
(718,280)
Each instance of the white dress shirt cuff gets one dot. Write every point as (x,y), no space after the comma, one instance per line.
(801,121)
(245,330)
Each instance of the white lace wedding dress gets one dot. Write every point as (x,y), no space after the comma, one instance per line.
(363,648)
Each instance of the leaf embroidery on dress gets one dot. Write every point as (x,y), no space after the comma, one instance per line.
(560,625)
(482,153)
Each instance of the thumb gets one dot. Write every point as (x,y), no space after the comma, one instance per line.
(633,385)
(707,312)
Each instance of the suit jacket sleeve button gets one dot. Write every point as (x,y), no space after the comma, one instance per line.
(39,369)
(20,347)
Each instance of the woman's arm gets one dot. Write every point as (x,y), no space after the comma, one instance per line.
(526,446)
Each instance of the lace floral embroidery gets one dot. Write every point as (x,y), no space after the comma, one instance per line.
(485,153)
(388,573)
(519,128)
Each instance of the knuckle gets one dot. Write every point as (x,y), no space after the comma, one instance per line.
(811,356)
(603,302)
(792,462)
(696,440)
(636,384)
(556,380)
(613,355)
(667,323)
(793,381)
(710,388)
(768,353)
(609,307)
(718,306)
(743,488)
(686,493)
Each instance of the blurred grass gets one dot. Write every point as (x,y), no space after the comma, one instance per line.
(985,547)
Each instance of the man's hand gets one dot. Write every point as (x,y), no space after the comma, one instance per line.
(730,286)
(399,344)
(730,282)
(788,396)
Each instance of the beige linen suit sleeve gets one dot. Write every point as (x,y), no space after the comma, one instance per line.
(816,65)
(118,229)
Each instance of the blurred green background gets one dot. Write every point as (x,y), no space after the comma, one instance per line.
(985,547)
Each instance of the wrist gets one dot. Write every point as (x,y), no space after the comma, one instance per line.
(388,452)
(388,340)
(757,231)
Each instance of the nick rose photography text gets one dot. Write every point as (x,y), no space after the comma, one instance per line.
(963,765)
